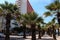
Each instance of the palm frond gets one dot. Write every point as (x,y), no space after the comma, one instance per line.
(53,20)
(52,7)
(40,19)
(33,15)
(46,14)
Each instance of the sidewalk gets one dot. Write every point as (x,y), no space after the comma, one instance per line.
(58,38)
(45,37)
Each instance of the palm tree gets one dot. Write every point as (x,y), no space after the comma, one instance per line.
(24,30)
(8,19)
(54,10)
(7,10)
(51,23)
(54,32)
(21,22)
(39,27)
(32,19)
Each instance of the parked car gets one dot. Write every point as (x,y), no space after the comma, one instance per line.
(2,35)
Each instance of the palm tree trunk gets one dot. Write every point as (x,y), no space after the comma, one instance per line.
(7,33)
(8,18)
(54,34)
(39,29)
(24,31)
(33,32)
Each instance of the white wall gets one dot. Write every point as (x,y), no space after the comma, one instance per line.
(23,6)
(1,23)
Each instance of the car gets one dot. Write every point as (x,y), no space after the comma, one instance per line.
(2,35)
(20,34)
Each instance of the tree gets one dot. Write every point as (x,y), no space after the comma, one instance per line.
(8,19)
(54,32)
(50,24)
(32,19)
(8,9)
(51,28)
(24,30)
(39,27)
(21,22)
(54,10)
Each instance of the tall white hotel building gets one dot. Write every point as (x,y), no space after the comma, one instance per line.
(24,6)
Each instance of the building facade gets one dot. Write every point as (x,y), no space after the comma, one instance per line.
(24,6)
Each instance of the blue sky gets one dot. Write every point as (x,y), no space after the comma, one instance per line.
(38,6)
